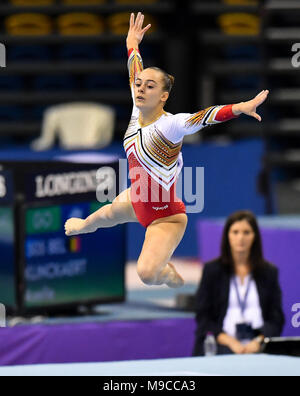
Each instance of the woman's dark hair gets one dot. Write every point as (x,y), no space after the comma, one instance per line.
(167,78)
(256,253)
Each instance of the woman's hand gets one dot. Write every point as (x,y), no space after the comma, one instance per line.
(232,343)
(252,347)
(136,31)
(236,347)
(249,107)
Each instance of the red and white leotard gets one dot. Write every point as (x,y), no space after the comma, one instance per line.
(154,153)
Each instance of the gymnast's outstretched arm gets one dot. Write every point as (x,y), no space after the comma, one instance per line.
(186,123)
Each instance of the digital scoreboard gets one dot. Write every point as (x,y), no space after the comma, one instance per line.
(61,270)
(8,280)
(7,261)
(41,269)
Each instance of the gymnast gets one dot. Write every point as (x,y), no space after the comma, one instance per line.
(153,144)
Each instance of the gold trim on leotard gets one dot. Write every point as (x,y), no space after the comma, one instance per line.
(135,66)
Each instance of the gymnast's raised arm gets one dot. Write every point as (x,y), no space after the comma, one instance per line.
(134,38)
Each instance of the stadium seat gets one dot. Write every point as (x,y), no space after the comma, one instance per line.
(11,113)
(136,1)
(28,24)
(29,53)
(80,24)
(240,53)
(83,2)
(80,52)
(243,82)
(32,2)
(241,2)
(11,83)
(239,23)
(55,82)
(105,81)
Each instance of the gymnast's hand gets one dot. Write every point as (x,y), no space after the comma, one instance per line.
(249,107)
(75,226)
(136,31)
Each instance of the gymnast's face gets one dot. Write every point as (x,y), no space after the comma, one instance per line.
(149,90)
(241,237)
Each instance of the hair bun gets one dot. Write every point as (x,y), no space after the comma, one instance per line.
(172,79)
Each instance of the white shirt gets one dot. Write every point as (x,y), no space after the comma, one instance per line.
(252,313)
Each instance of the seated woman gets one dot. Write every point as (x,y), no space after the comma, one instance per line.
(239,297)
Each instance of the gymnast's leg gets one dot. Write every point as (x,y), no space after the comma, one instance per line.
(120,211)
(161,239)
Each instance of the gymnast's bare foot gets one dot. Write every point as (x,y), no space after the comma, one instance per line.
(76,226)
(174,279)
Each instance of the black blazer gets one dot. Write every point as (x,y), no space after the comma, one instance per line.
(212,301)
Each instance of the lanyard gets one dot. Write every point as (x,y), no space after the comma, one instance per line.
(242,303)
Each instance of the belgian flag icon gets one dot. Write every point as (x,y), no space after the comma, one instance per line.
(74,244)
